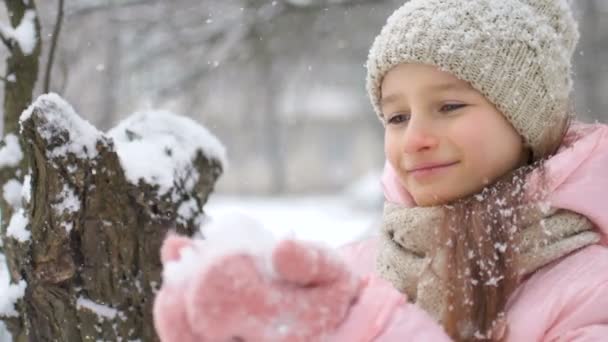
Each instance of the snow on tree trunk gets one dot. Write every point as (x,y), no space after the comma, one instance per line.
(94,213)
(23,42)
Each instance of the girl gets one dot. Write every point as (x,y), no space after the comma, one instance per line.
(495,227)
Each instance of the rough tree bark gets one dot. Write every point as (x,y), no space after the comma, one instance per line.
(92,262)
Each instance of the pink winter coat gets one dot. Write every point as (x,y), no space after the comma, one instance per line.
(566,300)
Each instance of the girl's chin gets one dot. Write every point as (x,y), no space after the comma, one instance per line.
(432,199)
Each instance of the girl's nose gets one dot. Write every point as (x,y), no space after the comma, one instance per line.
(420,135)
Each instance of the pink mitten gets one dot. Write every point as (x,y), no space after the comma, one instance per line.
(296,292)
(169,315)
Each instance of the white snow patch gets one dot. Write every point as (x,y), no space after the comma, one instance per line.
(229,234)
(68,226)
(10,292)
(24,34)
(68,201)
(26,189)
(501,247)
(59,116)
(17,226)
(10,153)
(99,309)
(187,210)
(493,281)
(11,191)
(158,146)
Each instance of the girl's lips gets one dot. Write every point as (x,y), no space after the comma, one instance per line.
(425,172)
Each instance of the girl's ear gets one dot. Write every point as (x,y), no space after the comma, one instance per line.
(528,155)
(172,245)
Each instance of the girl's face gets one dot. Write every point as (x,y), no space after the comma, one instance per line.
(444,139)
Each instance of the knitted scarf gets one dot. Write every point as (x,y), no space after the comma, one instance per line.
(410,259)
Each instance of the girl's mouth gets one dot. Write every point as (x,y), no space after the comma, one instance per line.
(424,171)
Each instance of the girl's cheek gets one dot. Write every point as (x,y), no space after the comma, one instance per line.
(392,150)
(390,143)
(470,130)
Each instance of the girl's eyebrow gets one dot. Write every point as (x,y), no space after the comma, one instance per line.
(448,86)
(438,87)
(389,99)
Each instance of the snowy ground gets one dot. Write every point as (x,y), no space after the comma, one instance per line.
(331,219)
(337,219)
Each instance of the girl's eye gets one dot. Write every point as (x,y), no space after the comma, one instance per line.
(451,107)
(398,118)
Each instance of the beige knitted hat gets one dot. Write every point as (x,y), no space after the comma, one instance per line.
(517,53)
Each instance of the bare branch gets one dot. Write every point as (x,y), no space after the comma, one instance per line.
(222,52)
(212,33)
(56,30)
(63,66)
(78,12)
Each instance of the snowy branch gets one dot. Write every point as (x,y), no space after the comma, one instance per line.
(221,52)
(24,34)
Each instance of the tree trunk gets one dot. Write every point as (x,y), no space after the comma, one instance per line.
(89,249)
(21,74)
(92,262)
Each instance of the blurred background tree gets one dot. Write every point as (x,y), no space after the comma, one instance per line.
(281,82)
